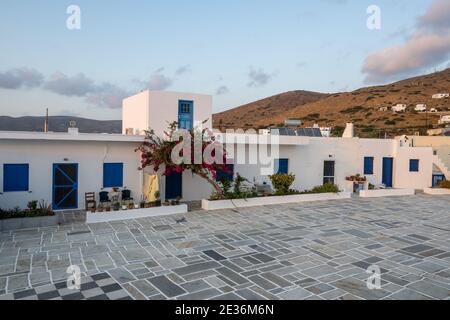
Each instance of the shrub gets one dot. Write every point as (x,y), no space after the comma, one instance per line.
(444,184)
(237,192)
(282,182)
(33,210)
(326,188)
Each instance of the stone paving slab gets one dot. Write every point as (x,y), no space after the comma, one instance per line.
(316,250)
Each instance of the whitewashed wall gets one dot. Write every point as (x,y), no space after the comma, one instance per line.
(154,109)
(90,156)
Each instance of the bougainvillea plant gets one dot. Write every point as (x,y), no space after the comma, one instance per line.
(194,150)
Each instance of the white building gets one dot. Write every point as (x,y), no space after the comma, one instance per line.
(420,107)
(61,167)
(444,119)
(440,95)
(399,108)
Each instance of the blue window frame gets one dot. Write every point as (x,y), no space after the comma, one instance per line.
(328,172)
(112,175)
(413,165)
(15,177)
(368,165)
(281,165)
(185,114)
(224,175)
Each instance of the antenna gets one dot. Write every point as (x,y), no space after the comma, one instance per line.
(46,121)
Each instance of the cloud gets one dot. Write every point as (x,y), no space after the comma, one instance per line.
(75,86)
(103,95)
(419,52)
(258,78)
(437,17)
(107,96)
(222,90)
(182,70)
(301,64)
(428,46)
(157,81)
(20,78)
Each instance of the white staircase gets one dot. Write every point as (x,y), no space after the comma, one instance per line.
(441,165)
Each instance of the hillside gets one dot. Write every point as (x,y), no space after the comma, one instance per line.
(59,124)
(247,115)
(360,106)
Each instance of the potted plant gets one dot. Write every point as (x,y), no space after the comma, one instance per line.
(136,206)
(116,206)
(124,205)
(173,202)
(142,202)
(158,199)
(166,203)
(100,208)
(177,200)
(108,208)
(130,205)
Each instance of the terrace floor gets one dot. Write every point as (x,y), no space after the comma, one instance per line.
(317,250)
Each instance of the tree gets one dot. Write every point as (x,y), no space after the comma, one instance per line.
(181,150)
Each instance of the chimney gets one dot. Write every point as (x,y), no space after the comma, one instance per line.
(72,128)
(349,131)
(46,121)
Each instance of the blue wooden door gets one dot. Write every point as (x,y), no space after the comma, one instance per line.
(185,114)
(174,184)
(387,171)
(65,186)
(437,178)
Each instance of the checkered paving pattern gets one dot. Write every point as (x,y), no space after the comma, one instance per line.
(316,250)
(96,287)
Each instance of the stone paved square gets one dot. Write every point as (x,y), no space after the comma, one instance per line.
(316,250)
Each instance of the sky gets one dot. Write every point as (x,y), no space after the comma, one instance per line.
(238,51)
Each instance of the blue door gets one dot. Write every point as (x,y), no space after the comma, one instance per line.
(185,114)
(437,178)
(65,186)
(387,171)
(174,184)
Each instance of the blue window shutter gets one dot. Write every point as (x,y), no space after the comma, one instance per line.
(185,114)
(112,175)
(368,165)
(414,165)
(282,165)
(15,177)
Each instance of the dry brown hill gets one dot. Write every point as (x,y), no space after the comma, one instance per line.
(360,106)
(248,114)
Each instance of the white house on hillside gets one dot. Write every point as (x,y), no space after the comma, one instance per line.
(399,108)
(420,107)
(444,119)
(441,95)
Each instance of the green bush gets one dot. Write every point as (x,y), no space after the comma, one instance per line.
(33,211)
(326,188)
(282,182)
(444,184)
(236,192)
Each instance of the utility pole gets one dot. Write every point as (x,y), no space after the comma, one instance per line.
(46,120)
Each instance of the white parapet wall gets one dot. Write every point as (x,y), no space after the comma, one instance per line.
(386,193)
(436,191)
(261,201)
(134,213)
